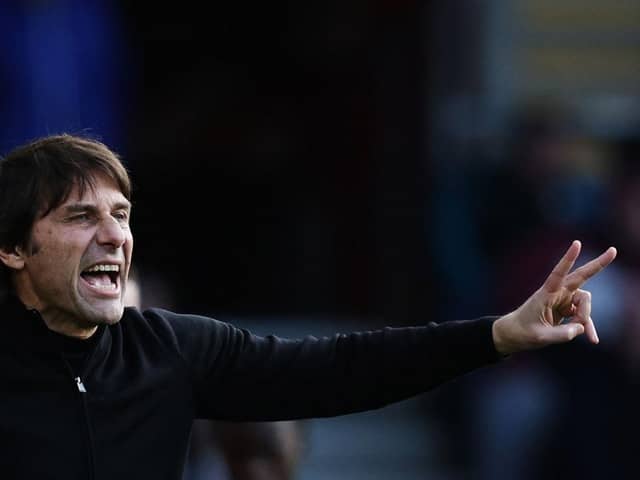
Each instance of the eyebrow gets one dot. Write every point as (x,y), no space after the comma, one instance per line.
(88,207)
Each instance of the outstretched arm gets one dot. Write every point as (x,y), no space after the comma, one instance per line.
(539,320)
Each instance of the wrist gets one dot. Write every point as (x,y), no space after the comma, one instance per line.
(501,338)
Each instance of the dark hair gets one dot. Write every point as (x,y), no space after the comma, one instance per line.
(38,177)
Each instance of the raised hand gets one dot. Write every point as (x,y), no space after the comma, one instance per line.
(539,321)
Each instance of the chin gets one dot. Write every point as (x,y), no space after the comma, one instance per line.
(105,316)
(111,320)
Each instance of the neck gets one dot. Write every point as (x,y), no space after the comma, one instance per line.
(68,327)
(58,321)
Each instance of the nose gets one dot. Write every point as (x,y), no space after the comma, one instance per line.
(110,232)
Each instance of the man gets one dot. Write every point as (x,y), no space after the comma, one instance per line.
(91,389)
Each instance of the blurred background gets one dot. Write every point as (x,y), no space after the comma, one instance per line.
(313,167)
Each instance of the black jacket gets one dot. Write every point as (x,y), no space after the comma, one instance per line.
(126,411)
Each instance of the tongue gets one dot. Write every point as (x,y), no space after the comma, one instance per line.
(98,279)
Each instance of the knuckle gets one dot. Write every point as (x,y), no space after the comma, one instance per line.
(583,294)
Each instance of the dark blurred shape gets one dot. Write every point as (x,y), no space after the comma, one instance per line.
(294,133)
(261,451)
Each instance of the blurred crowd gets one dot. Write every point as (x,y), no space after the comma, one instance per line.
(563,412)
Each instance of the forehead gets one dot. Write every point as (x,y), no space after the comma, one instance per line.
(101,190)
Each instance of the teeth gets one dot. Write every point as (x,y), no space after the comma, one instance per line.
(103,268)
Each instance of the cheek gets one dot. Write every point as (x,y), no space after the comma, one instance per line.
(52,251)
(35,243)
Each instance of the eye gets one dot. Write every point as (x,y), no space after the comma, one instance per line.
(121,215)
(81,217)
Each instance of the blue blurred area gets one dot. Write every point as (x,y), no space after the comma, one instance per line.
(63,68)
(386,162)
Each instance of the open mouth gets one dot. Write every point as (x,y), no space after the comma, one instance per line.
(102,277)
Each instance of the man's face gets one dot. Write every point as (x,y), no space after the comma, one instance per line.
(76,265)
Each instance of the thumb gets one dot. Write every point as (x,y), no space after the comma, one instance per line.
(565,332)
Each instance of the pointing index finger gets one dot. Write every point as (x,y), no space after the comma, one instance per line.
(555,280)
(588,270)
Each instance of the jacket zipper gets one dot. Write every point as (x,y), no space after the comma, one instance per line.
(82,391)
(80,385)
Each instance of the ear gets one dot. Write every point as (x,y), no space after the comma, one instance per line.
(12,258)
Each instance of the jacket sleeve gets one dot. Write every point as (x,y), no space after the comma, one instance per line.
(241,376)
